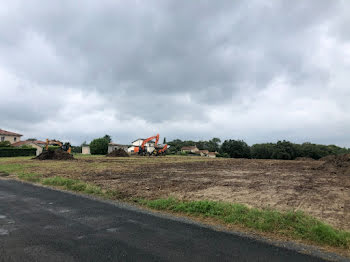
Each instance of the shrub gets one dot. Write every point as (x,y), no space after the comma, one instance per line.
(225,155)
(26,146)
(52,148)
(99,146)
(182,153)
(76,149)
(16,151)
(5,144)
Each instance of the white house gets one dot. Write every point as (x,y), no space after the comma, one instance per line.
(150,146)
(9,136)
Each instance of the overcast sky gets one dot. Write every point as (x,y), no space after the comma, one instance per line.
(255,70)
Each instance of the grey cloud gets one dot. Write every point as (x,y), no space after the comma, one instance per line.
(143,58)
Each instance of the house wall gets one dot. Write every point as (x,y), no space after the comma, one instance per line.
(131,149)
(137,142)
(39,149)
(85,150)
(196,150)
(11,139)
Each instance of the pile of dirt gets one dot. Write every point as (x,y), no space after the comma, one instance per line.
(339,164)
(118,153)
(55,155)
(304,159)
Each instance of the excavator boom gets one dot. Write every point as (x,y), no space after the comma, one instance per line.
(156,137)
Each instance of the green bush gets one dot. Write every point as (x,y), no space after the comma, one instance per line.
(52,148)
(5,144)
(99,146)
(182,153)
(16,151)
(225,155)
(26,146)
(76,149)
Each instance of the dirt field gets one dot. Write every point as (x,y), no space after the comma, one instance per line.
(283,185)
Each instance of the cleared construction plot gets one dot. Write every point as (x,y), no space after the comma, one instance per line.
(319,188)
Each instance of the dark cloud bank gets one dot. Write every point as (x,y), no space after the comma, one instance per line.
(251,70)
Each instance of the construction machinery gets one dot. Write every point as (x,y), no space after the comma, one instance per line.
(144,149)
(65,147)
(161,150)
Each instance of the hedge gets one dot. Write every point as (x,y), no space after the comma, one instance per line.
(16,151)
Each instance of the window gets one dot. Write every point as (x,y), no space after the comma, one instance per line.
(2,139)
(15,139)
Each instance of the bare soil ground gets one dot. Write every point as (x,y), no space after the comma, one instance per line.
(307,185)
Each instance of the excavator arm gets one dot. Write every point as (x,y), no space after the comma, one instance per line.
(150,139)
(162,150)
(52,141)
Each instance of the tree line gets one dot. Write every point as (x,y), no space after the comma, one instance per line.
(280,150)
(237,148)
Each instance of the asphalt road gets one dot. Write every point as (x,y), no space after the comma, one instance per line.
(40,224)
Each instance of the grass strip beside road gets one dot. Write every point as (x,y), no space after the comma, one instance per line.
(69,184)
(294,224)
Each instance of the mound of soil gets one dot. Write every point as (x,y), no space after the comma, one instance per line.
(118,153)
(55,155)
(339,164)
(304,159)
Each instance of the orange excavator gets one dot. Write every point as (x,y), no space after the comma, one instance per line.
(65,147)
(142,150)
(161,151)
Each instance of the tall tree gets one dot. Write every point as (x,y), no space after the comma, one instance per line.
(108,138)
(236,148)
(99,146)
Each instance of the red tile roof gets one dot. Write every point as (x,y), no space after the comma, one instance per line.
(8,133)
(20,143)
(188,147)
(38,142)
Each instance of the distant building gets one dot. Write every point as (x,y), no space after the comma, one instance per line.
(85,150)
(212,154)
(190,149)
(203,152)
(9,136)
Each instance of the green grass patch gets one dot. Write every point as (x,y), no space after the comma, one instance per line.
(73,185)
(295,224)
(11,168)
(30,177)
